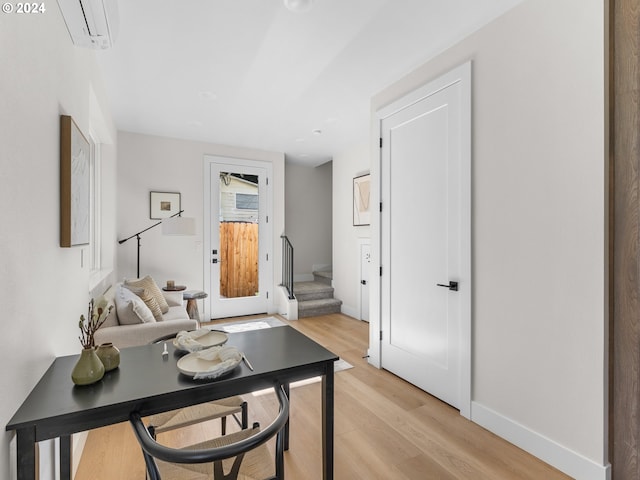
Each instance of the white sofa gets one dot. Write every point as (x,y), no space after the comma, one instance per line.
(132,334)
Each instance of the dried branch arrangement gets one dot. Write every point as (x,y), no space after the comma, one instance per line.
(97,314)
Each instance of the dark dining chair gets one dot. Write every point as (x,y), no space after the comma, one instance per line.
(241,455)
(183,417)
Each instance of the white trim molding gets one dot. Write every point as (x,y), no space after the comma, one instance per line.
(349,311)
(547,450)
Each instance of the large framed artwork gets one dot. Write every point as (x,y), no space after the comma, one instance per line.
(75,157)
(163,205)
(361,197)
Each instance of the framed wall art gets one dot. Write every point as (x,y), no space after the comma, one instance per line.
(75,178)
(163,205)
(361,197)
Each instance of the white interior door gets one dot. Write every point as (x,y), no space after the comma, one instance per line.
(425,279)
(237,242)
(365,266)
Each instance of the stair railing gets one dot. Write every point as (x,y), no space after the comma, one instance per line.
(287,266)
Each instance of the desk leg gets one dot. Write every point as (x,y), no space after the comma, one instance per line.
(26,454)
(65,457)
(286,427)
(327,423)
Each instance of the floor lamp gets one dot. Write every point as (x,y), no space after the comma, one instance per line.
(176,224)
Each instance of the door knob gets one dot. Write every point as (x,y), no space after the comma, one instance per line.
(452,286)
(363,282)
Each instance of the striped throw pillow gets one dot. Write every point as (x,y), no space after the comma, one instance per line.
(149,284)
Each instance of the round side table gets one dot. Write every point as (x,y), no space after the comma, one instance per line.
(175,288)
(192,297)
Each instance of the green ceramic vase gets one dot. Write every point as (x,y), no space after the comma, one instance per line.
(89,368)
(109,355)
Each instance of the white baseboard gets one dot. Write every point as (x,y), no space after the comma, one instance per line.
(286,307)
(351,312)
(556,455)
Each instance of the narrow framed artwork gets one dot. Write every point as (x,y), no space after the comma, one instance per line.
(75,178)
(361,197)
(163,204)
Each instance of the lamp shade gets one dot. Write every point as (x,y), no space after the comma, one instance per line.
(179,226)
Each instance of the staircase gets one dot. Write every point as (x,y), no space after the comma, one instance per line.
(316,298)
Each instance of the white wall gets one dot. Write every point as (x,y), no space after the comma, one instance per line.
(346,247)
(539,226)
(148,163)
(43,288)
(308,216)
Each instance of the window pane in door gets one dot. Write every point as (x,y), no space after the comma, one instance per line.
(239,244)
(246,202)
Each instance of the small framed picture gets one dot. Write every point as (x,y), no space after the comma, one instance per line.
(361,197)
(163,205)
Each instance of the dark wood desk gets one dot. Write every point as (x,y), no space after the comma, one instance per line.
(148,384)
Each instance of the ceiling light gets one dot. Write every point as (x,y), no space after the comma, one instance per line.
(298,5)
(317,131)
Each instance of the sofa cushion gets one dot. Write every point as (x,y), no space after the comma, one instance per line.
(130,308)
(149,300)
(143,333)
(174,299)
(175,313)
(149,283)
(112,318)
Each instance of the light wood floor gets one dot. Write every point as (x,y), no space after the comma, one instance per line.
(384,428)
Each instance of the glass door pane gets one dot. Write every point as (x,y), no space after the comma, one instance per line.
(239,235)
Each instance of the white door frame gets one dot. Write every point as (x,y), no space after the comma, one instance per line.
(460,74)
(268,242)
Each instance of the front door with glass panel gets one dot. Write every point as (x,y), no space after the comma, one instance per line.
(238,237)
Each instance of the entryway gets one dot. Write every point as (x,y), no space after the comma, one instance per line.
(237,237)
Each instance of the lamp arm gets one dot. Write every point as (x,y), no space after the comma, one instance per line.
(148,228)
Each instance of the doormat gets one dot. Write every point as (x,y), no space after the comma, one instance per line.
(244,326)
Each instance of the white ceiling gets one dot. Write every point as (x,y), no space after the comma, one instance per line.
(251,73)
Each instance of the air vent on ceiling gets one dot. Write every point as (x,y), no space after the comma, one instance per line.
(91,23)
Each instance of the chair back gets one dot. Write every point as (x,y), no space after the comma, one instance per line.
(153,450)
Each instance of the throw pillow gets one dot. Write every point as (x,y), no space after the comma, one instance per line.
(149,300)
(112,318)
(130,308)
(148,283)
